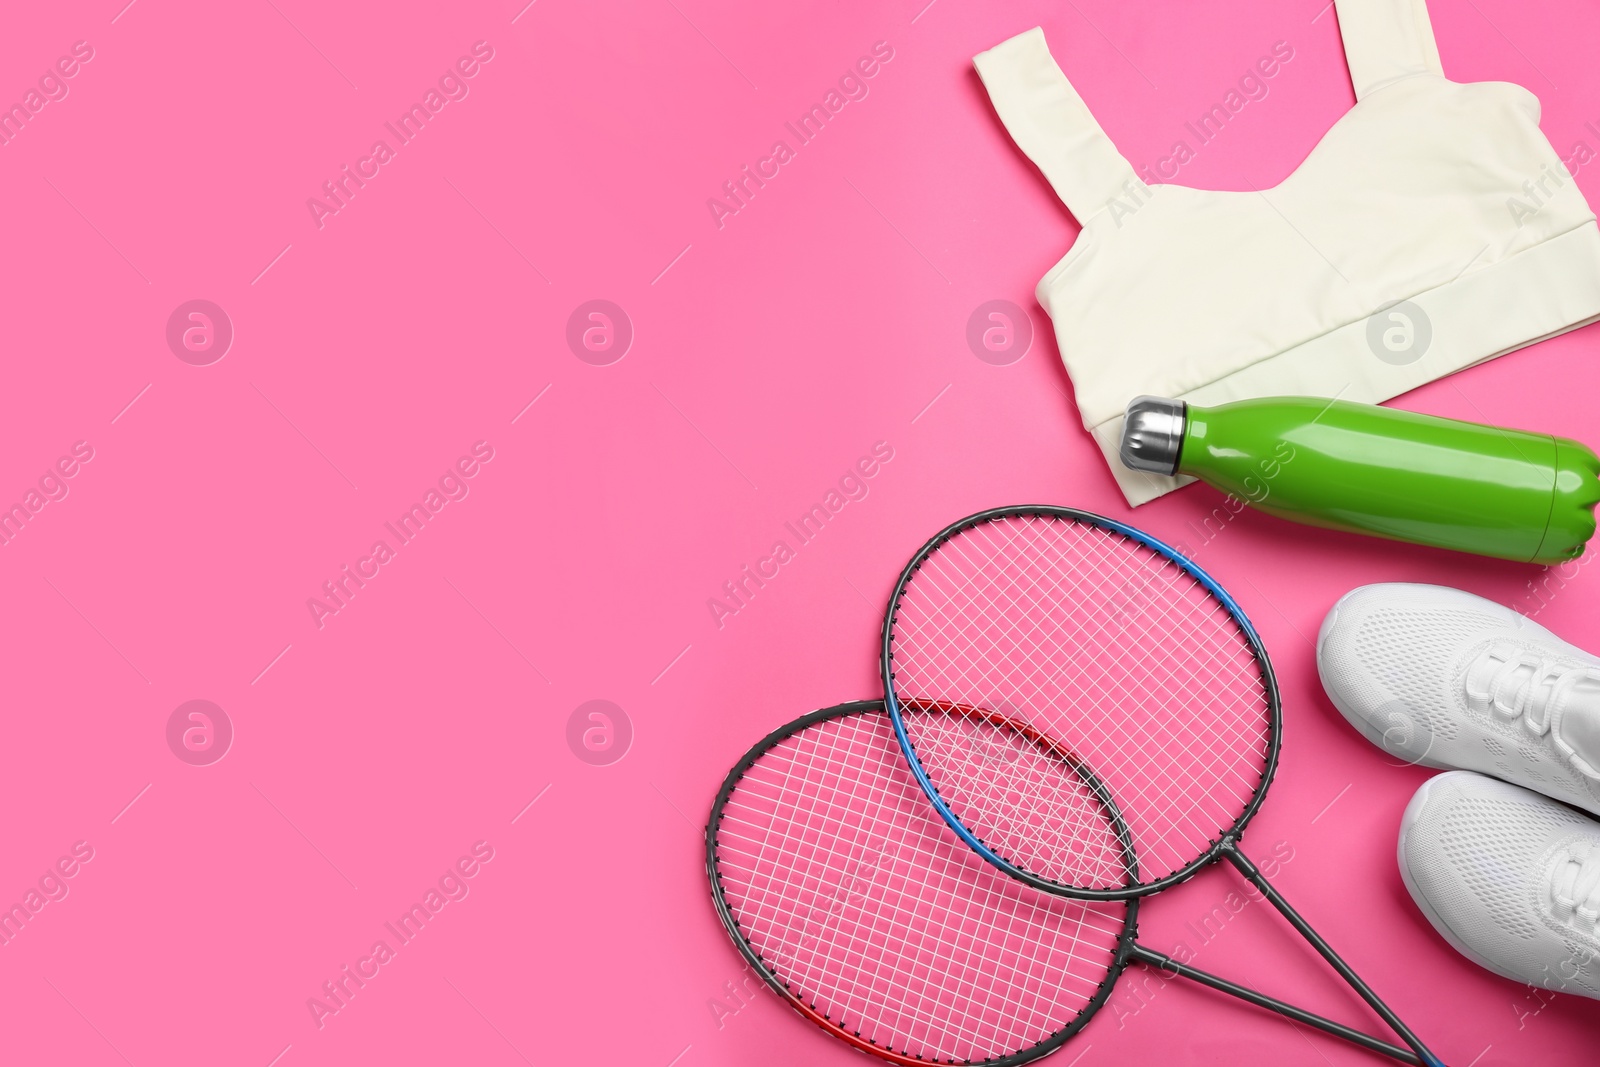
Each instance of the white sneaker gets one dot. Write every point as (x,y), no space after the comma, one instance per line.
(1510,878)
(1442,678)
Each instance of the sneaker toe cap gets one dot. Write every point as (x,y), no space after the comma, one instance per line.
(1470,852)
(1383,654)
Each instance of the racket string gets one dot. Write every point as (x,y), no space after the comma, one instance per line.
(828,952)
(1077,816)
(1033,617)
(901,939)
(988,608)
(974,964)
(1003,705)
(1095,682)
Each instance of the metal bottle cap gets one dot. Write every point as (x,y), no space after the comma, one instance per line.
(1152,434)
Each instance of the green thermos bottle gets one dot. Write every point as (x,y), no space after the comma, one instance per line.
(1359,467)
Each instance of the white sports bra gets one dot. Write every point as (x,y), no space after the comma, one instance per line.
(1444,196)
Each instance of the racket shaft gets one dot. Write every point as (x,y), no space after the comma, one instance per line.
(1169,965)
(1253,873)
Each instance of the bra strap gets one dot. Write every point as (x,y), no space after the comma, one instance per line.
(1051,124)
(1385,40)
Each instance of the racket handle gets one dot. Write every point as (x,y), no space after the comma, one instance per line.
(1171,966)
(1252,873)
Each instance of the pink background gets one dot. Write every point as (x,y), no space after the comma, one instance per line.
(369,754)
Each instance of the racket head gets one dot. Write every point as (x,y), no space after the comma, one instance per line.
(854,902)
(1135,667)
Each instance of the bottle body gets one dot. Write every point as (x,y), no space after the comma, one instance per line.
(1367,469)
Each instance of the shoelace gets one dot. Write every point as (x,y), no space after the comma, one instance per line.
(1514,686)
(1511,688)
(1575,889)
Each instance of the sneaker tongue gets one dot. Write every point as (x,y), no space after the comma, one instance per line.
(1578,713)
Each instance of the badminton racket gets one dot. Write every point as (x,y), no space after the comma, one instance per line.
(856,904)
(1114,720)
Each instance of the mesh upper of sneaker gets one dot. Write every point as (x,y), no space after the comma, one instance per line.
(1484,841)
(1495,864)
(1393,642)
(1397,657)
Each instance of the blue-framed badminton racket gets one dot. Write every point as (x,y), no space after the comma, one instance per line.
(1113,718)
